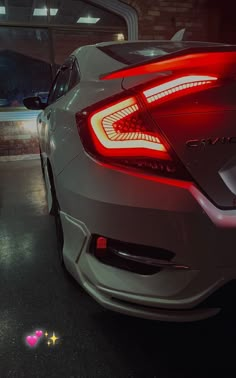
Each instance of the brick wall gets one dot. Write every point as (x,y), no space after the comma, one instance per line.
(160,19)
(18,138)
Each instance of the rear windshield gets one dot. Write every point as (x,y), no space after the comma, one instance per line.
(134,53)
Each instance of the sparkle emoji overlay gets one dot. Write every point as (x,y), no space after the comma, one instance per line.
(54,338)
(32,341)
(51,340)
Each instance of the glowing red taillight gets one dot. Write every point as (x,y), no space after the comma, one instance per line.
(121,129)
(179,86)
(122,132)
(218,60)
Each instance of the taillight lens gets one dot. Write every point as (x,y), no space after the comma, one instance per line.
(218,60)
(123,133)
(121,129)
(177,87)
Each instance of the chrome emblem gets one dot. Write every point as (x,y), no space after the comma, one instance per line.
(197,143)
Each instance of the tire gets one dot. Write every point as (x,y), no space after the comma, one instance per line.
(59,231)
(49,187)
(41,163)
(55,211)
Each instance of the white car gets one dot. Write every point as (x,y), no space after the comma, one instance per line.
(138,152)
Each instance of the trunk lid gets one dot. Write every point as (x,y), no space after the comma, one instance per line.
(199,125)
(202,132)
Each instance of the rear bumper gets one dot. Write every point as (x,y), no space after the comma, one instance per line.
(111,300)
(159,213)
(178,296)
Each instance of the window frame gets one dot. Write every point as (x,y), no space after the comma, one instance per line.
(74,65)
(69,64)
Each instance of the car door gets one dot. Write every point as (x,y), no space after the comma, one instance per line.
(48,118)
(62,139)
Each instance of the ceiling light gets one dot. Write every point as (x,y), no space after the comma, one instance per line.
(44,11)
(2,10)
(120,37)
(53,11)
(88,20)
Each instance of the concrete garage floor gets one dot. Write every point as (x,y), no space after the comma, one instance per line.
(36,294)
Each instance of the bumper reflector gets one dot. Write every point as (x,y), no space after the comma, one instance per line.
(138,259)
(101,246)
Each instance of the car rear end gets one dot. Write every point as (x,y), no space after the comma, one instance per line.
(156,214)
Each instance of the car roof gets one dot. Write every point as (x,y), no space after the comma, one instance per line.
(179,44)
(93,62)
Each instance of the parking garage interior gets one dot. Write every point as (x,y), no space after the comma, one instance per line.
(83,339)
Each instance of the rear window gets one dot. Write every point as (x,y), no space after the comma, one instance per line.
(134,53)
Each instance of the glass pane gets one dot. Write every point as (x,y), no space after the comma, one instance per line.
(62,84)
(66,41)
(94,25)
(74,78)
(60,12)
(25,68)
(84,14)
(25,11)
(133,53)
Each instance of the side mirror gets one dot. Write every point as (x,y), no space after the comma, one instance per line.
(34,103)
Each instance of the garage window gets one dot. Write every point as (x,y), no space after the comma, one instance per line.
(41,36)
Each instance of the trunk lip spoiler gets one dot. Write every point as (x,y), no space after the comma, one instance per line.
(184,52)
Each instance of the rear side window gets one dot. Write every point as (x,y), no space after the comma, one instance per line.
(75,76)
(62,83)
(60,86)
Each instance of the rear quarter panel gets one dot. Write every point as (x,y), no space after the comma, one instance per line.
(62,140)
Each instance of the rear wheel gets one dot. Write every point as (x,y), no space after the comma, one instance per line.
(41,162)
(54,209)
(59,232)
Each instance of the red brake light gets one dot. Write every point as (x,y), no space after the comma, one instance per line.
(123,133)
(182,84)
(220,63)
(122,130)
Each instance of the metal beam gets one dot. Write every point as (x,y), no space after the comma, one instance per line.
(7,9)
(124,10)
(32,10)
(61,27)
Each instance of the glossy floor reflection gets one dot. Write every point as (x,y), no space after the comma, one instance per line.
(36,294)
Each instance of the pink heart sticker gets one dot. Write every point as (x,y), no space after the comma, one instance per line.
(32,340)
(39,333)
